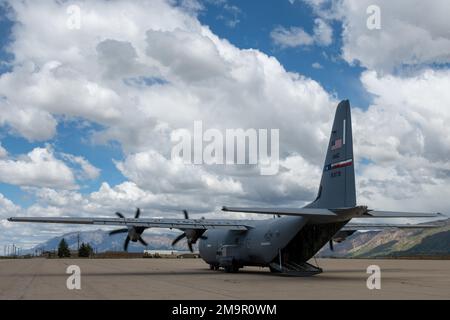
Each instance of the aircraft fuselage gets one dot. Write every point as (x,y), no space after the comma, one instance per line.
(258,246)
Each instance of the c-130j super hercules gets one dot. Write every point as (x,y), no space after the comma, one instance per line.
(284,244)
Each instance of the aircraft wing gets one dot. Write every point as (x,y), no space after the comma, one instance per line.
(146,223)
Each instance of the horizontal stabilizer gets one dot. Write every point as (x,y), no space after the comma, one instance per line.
(373,226)
(396,214)
(314,215)
(284,211)
(338,214)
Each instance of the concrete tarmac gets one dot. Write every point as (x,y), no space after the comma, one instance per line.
(192,279)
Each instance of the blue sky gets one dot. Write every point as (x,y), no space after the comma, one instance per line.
(255,22)
(258,18)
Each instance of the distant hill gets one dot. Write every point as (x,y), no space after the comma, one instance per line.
(101,241)
(394,243)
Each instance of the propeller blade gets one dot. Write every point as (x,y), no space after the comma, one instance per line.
(143,241)
(331,245)
(186,215)
(120,215)
(181,236)
(190,246)
(125,244)
(138,213)
(118,231)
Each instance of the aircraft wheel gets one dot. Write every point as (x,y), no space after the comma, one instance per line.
(231,269)
(213,267)
(273,270)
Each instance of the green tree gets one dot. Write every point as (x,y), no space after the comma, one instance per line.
(85,250)
(63,249)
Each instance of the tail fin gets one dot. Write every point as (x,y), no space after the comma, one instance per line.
(337,187)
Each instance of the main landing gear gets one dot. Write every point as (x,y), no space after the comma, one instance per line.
(214,267)
(228,269)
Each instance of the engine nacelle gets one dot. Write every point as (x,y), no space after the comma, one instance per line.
(135,233)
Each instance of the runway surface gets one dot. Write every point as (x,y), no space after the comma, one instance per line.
(192,279)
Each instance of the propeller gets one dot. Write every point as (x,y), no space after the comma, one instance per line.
(134,233)
(191,235)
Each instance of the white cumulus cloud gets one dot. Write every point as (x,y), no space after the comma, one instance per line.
(38,168)
(412,33)
(405,135)
(42,168)
(296,37)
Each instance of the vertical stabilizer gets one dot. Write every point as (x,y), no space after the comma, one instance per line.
(337,186)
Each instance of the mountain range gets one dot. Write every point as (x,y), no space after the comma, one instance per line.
(101,241)
(394,243)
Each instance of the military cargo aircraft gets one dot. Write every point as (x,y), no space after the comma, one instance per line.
(284,243)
